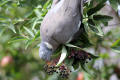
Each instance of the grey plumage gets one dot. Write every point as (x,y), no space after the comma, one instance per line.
(59,25)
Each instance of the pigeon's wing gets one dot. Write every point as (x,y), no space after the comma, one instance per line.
(81,29)
(70,21)
(66,29)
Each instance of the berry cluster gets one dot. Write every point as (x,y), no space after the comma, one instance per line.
(50,69)
(80,55)
(62,70)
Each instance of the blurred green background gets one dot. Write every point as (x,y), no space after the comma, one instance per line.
(20,37)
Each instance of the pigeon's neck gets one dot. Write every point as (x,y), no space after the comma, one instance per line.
(46,44)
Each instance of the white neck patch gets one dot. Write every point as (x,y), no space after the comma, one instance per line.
(48,45)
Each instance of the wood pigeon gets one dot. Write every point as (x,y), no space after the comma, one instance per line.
(60,25)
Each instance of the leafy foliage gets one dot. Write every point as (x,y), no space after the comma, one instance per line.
(20,37)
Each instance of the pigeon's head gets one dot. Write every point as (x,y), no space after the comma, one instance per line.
(45,51)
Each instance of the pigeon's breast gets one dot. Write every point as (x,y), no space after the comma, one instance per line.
(66,27)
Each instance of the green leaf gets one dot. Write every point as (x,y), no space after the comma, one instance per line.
(28,14)
(38,13)
(45,8)
(29,42)
(103,18)
(17,39)
(46,4)
(76,65)
(83,66)
(116,45)
(35,23)
(114,4)
(73,46)
(5,2)
(29,31)
(100,33)
(96,9)
(105,23)
(63,56)
(91,22)
(3,17)
(116,49)
(12,27)
(95,27)
(2,30)
(93,56)
(104,56)
(91,3)
(92,26)
(37,35)
(83,37)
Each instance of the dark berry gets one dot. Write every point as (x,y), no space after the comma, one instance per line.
(50,69)
(64,71)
